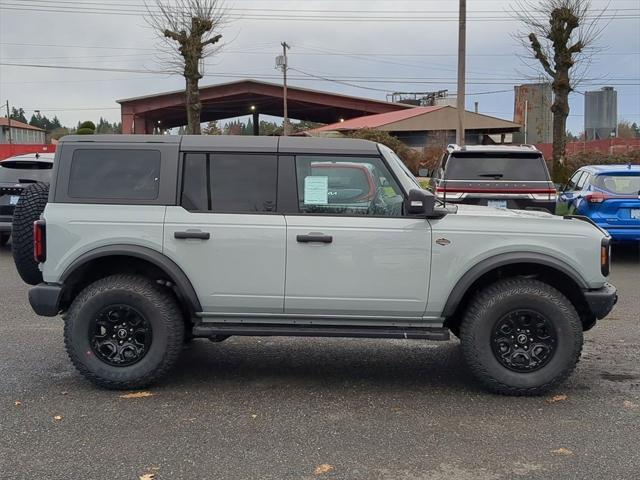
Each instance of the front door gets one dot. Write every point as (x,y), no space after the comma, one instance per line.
(225,234)
(350,251)
(567,198)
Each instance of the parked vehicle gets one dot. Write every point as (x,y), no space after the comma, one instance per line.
(148,240)
(16,173)
(607,194)
(501,176)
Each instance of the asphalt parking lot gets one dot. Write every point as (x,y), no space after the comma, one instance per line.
(253,408)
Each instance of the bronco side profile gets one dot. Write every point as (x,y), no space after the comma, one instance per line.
(148,241)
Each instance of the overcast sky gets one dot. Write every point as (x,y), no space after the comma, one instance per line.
(405,46)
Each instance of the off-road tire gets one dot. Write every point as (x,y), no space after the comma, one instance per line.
(28,209)
(159,308)
(497,300)
(4,238)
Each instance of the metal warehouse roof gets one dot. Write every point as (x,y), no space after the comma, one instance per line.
(4,122)
(442,117)
(228,100)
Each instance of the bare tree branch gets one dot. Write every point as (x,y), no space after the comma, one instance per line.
(559,34)
(187,32)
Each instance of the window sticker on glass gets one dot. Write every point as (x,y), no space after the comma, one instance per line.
(316,190)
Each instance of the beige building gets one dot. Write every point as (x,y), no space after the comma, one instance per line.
(430,126)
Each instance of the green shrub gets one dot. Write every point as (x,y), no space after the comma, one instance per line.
(86,128)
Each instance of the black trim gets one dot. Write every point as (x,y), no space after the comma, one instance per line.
(271,330)
(45,299)
(287,197)
(485,266)
(602,300)
(173,271)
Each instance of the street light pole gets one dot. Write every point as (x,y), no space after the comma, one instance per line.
(462,52)
(285,66)
(9,124)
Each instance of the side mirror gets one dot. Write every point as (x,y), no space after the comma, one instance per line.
(420,203)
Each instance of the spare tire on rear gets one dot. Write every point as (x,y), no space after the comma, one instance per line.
(28,209)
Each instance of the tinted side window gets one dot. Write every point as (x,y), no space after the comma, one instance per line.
(582,181)
(347,186)
(230,183)
(115,174)
(573,182)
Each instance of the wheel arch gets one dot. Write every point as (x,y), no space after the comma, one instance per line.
(104,261)
(551,270)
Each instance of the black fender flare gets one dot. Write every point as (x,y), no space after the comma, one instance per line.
(501,260)
(168,266)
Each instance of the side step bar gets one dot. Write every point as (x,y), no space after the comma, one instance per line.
(274,330)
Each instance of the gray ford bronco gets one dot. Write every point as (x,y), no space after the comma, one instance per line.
(144,242)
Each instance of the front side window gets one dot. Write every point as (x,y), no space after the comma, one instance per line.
(572,185)
(229,183)
(347,186)
(115,174)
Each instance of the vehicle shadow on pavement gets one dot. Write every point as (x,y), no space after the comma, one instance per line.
(317,362)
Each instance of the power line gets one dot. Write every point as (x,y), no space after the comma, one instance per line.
(368,79)
(295,17)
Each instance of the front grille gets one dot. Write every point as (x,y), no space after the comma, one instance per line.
(6,210)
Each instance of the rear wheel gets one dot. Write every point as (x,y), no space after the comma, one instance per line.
(124,332)
(521,337)
(28,209)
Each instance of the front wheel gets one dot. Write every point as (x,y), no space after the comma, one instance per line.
(521,337)
(124,332)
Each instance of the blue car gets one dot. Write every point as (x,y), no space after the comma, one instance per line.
(607,194)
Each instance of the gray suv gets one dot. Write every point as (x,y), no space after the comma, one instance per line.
(15,174)
(148,241)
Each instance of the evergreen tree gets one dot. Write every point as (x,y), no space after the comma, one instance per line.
(18,115)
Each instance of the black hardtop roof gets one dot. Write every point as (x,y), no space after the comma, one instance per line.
(249,144)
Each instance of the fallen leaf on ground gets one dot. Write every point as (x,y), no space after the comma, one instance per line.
(562,451)
(17,403)
(629,405)
(147,476)
(57,418)
(254,416)
(137,395)
(322,469)
(557,398)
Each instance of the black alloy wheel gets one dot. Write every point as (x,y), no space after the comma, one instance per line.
(120,335)
(523,341)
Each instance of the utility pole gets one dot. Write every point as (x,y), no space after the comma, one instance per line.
(9,123)
(285,66)
(462,53)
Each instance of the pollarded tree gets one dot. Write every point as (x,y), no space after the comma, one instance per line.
(560,35)
(189,31)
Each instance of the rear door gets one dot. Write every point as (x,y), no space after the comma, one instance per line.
(225,233)
(498,179)
(350,251)
(569,194)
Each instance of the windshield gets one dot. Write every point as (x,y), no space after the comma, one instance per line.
(392,157)
(496,166)
(13,171)
(619,184)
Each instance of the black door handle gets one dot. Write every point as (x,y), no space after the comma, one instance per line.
(314,238)
(197,234)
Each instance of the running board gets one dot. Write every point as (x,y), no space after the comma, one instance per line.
(271,330)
